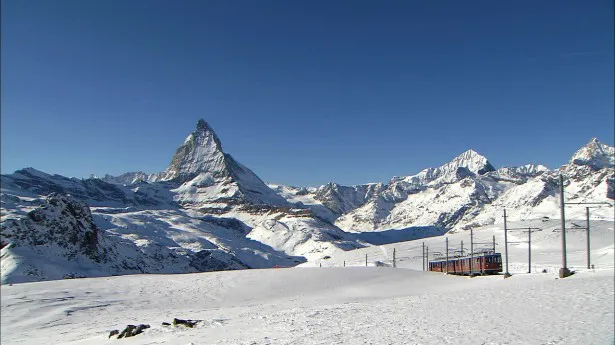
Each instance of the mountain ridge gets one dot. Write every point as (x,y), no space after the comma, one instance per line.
(218,214)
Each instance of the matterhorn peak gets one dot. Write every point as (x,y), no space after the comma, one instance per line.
(202,167)
(595,155)
(201,152)
(202,125)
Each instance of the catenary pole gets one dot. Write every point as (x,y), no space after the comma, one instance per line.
(394,263)
(423,256)
(587,226)
(447,255)
(563,272)
(529,250)
(471,249)
(506,274)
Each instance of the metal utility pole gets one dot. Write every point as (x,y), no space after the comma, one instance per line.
(447,255)
(365,260)
(529,250)
(587,217)
(494,243)
(471,249)
(564,271)
(423,256)
(506,274)
(587,227)
(427,256)
(529,231)
(394,263)
(461,254)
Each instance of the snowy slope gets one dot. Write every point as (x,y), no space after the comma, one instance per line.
(60,240)
(351,305)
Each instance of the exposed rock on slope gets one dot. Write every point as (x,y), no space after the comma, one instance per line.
(60,240)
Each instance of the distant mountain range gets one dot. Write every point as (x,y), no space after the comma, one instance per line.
(206,212)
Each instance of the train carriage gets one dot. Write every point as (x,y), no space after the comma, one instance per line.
(482,263)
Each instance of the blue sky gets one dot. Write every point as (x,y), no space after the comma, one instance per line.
(303,92)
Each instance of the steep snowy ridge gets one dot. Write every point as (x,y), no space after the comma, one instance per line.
(595,155)
(127,178)
(30,182)
(341,199)
(518,174)
(468,161)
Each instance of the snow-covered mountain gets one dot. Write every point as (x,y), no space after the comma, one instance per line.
(467,191)
(206,211)
(207,175)
(205,207)
(127,178)
(595,155)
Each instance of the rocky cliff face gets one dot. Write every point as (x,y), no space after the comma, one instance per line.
(61,221)
(206,175)
(60,239)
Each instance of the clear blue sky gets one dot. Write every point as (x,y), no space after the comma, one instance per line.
(303,92)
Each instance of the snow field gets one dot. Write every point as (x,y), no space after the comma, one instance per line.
(335,305)
(546,248)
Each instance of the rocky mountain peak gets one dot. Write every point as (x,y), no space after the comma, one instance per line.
(595,155)
(472,160)
(207,174)
(201,152)
(202,125)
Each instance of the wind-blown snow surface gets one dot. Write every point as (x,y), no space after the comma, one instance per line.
(340,305)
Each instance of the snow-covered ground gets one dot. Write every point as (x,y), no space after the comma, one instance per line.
(339,305)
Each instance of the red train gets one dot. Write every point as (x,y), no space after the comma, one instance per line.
(482,264)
